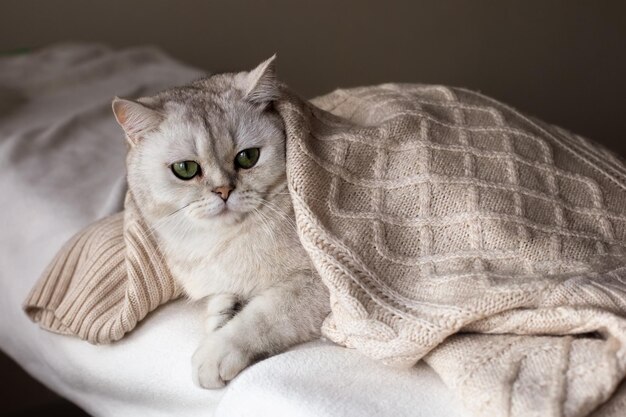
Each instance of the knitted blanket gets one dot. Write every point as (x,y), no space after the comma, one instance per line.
(446,225)
(431,212)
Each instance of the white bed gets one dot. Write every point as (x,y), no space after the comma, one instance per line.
(62,158)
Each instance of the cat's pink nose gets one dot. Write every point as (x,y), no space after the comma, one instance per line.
(223,191)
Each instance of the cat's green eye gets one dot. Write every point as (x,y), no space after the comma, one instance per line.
(185,170)
(247,158)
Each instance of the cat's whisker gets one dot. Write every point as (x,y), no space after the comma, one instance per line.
(187,227)
(151,232)
(162,250)
(168,217)
(279,212)
(265,224)
(178,232)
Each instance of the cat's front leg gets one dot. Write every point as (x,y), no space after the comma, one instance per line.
(220,309)
(269,323)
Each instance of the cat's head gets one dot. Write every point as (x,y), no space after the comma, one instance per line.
(212,152)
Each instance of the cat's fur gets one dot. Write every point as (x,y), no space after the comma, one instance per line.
(242,255)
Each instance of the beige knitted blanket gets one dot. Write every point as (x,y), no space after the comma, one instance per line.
(446,225)
(104,280)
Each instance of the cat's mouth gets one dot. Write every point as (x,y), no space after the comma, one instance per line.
(227,213)
(219,211)
(222,212)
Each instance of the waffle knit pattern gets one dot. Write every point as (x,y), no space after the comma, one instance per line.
(430,211)
(446,225)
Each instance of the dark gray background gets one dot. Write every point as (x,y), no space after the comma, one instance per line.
(563,61)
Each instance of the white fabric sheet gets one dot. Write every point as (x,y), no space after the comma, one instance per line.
(62,159)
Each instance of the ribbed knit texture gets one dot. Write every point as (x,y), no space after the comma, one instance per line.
(103,281)
(446,225)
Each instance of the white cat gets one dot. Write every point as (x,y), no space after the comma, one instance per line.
(207,166)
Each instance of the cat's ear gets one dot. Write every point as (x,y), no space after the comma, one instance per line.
(136,118)
(261,84)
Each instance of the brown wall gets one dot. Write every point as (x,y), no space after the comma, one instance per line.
(563,61)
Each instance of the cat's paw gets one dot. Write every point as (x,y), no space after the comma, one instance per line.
(216,361)
(220,309)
